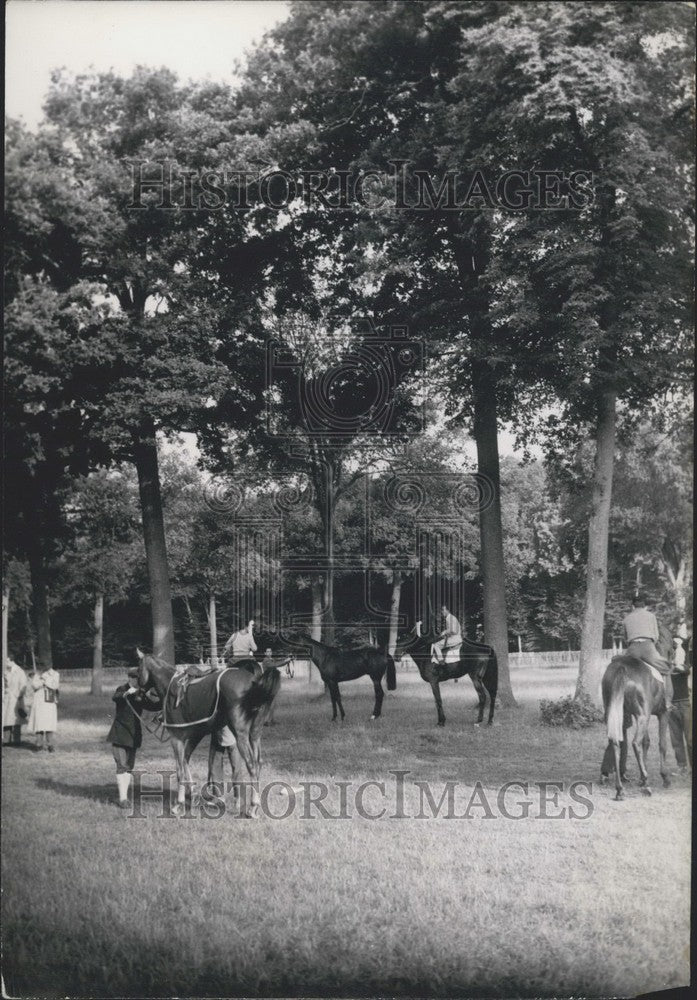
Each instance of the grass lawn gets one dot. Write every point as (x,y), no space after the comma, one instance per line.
(99,903)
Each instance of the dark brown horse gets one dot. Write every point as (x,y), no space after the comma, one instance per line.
(631,694)
(476,660)
(336,665)
(232,697)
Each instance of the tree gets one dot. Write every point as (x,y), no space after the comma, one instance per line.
(99,564)
(148,365)
(614,283)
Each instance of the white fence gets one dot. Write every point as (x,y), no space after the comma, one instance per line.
(569,657)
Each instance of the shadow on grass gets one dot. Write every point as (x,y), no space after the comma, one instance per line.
(11,747)
(94,793)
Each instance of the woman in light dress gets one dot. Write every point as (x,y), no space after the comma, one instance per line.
(44,710)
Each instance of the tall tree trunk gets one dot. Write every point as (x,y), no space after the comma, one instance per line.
(97,645)
(213,626)
(394,610)
(195,646)
(145,455)
(591,661)
(677,569)
(316,629)
(30,637)
(5,623)
(329,620)
(493,568)
(42,617)
(472,250)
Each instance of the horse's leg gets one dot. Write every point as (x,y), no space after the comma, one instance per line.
(241,727)
(190,745)
(179,750)
(255,737)
(619,790)
(236,767)
(435,687)
(663,748)
(336,699)
(215,786)
(332,695)
(481,694)
(640,736)
(490,686)
(379,696)
(624,749)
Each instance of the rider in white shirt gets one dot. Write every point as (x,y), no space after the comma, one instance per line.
(241,644)
(449,637)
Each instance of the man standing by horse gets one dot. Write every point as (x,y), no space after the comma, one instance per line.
(641,635)
(449,637)
(680,716)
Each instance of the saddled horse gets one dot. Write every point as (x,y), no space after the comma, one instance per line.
(631,693)
(476,660)
(336,665)
(231,697)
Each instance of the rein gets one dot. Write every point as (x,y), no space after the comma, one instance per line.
(158,731)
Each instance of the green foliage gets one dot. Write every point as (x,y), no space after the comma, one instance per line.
(574,713)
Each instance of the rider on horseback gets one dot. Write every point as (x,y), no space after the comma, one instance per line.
(641,636)
(450,636)
(240,645)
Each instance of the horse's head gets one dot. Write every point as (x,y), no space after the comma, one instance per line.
(301,638)
(144,676)
(405,641)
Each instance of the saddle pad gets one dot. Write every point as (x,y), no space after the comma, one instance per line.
(198,701)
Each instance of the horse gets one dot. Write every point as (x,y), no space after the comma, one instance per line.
(231,697)
(632,693)
(336,665)
(476,659)
(644,696)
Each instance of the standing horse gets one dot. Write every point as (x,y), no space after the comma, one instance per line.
(477,660)
(230,697)
(632,694)
(336,665)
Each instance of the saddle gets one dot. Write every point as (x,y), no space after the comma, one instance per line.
(451,654)
(183,677)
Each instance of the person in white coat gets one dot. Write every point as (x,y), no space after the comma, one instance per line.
(14,712)
(44,710)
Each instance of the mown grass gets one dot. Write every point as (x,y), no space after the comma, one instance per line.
(97,903)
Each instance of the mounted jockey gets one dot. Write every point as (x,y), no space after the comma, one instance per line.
(240,645)
(450,637)
(640,636)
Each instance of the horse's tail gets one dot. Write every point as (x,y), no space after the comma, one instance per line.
(614,683)
(262,692)
(391,673)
